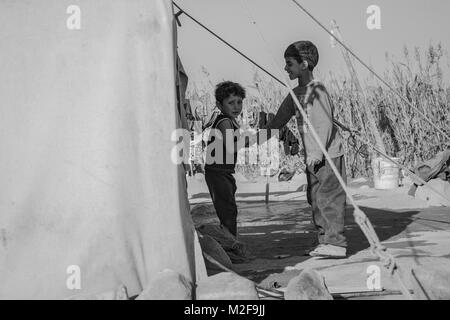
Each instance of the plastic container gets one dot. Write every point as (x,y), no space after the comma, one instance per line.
(386,175)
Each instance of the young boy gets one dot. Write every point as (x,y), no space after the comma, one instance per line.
(222,153)
(325,194)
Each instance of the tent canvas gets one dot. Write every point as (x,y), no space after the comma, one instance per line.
(86,118)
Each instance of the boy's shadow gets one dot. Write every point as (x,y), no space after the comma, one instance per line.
(386,224)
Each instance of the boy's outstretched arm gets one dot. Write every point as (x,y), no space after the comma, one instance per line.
(284,114)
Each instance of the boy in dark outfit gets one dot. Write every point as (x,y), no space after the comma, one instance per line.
(325,194)
(221,153)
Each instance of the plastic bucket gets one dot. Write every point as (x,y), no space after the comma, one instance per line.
(386,175)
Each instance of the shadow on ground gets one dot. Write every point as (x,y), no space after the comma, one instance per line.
(280,234)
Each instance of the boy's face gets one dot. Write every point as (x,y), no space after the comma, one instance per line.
(231,106)
(293,68)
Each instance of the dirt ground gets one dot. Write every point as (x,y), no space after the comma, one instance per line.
(280,233)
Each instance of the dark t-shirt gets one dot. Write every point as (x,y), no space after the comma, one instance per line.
(213,148)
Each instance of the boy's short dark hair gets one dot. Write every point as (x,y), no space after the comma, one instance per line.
(227,88)
(303,51)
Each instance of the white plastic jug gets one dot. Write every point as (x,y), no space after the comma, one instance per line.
(386,174)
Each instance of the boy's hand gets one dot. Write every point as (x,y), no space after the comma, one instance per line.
(311,162)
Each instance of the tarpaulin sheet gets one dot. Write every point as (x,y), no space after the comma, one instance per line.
(86,178)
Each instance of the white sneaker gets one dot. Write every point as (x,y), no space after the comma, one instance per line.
(329,250)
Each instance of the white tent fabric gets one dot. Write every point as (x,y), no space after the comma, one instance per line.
(86,178)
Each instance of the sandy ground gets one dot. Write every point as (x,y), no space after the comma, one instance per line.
(280,233)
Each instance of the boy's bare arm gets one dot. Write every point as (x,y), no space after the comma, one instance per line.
(284,114)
